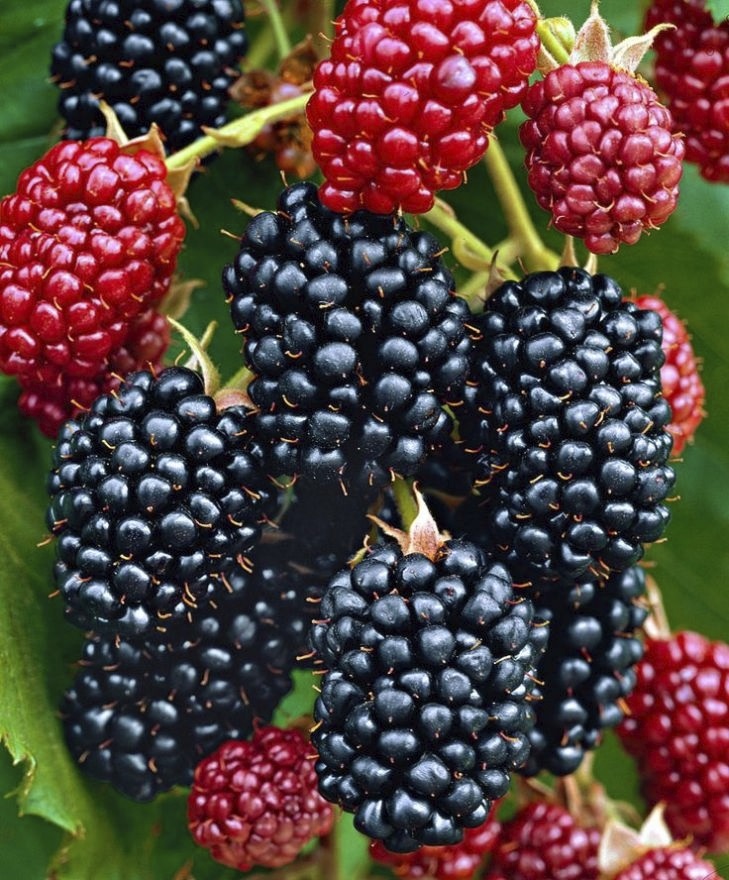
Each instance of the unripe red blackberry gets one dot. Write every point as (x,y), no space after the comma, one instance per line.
(355,337)
(457,862)
(544,842)
(691,72)
(588,669)
(677,729)
(680,377)
(256,803)
(50,405)
(601,153)
(170,63)
(141,714)
(155,497)
(565,421)
(406,102)
(425,707)
(669,863)
(88,242)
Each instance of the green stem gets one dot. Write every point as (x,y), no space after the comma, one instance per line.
(551,43)
(323,15)
(470,250)
(283,44)
(261,50)
(534,252)
(474,290)
(239,132)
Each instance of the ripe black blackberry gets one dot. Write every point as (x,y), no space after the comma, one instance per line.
(425,707)
(156,497)
(152,61)
(142,714)
(588,668)
(355,336)
(566,423)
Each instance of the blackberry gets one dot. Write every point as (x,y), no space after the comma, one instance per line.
(425,707)
(155,497)
(588,669)
(170,63)
(566,423)
(355,337)
(142,714)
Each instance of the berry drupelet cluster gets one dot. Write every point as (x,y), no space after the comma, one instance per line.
(406,101)
(155,497)
(425,707)
(355,338)
(169,63)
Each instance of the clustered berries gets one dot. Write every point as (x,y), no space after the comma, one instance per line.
(153,62)
(407,100)
(208,539)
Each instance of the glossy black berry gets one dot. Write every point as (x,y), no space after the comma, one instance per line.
(151,61)
(566,425)
(155,497)
(425,708)
(142,714)
(355,338)
(588,668)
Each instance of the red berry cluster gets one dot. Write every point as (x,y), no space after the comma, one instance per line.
(692,71)
(678,731)
(680,377)
(406,102)
(600,154)
(88,245)
(668,863)
(256,802)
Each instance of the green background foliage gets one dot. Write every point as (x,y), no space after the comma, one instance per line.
(56,823)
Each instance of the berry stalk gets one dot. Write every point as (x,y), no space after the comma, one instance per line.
(280,35)
(238,133)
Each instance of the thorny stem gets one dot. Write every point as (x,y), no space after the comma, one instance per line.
(468,248)
(534,253)
(283,44)
(237,133)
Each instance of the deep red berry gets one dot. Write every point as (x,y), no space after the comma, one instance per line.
(88,242)
(51,403)
(256,802)
(457,862)
(412,89)
(601,155)
(692,72)
(680,377)
(678,731)
(669,863)
(544,842)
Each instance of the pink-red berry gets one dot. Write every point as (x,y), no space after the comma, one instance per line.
(256,802)
(406,102)
(457,862)
(544,842)
(601,155)
(669,863)
(88,242)
(677,729)
(680,377)
(692,72)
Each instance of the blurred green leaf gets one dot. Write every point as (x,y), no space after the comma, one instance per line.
(718,8)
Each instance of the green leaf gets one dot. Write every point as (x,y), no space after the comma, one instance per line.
(719,9)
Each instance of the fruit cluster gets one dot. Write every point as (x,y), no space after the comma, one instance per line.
(437,501)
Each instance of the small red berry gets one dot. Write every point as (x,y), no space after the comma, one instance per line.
(668,863)
(88,242)
(406,102)
(601,155)
(692,72)
(457,862)
(678,732)
(256,802)
(544,842)
(680,377)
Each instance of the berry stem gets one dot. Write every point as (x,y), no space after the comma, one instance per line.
(534,252)
(468,249)
(237,133)
(283,44)
(323,15)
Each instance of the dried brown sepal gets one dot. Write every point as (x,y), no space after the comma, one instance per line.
(622,845)
(423,535)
